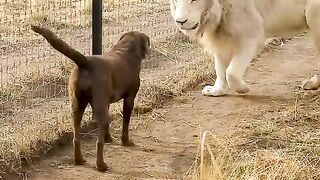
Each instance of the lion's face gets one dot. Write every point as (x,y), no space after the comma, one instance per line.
(187,14)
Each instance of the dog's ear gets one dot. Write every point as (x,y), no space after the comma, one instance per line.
(140,46)
(144,45)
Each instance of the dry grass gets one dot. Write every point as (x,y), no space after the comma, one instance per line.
(285,146)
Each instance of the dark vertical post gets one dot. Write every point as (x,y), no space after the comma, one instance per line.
(96,27)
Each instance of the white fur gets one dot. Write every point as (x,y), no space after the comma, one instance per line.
(234,31)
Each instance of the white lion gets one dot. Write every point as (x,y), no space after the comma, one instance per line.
(234,31)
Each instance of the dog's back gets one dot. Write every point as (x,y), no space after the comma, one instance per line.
(118,70)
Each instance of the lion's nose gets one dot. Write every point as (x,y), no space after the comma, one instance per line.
(181,22)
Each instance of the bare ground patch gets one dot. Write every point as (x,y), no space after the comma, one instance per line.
(270,133)
(277,134)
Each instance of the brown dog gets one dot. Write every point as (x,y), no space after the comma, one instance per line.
(101,80)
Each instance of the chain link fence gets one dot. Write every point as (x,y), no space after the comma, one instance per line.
(34,106)
(32,72)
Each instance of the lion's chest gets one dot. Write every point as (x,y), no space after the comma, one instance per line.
(222,45)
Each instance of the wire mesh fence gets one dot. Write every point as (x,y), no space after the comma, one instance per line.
(32,72)
(34,106)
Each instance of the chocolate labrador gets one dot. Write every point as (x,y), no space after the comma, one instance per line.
(100,80)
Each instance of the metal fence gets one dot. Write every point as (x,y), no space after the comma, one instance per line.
(33,74)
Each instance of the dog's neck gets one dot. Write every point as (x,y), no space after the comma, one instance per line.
(130,55)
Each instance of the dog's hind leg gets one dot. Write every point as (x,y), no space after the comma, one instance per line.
(101,114)
(128,105)
(78,107)
(108,138)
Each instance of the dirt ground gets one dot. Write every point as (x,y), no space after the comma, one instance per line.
(166,139)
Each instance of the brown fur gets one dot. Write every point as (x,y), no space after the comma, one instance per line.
(100,80)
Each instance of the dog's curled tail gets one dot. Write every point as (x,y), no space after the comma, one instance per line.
(62,46)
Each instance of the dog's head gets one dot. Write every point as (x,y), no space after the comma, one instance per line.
(137,43)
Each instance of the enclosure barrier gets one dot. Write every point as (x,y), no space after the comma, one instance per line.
(32,73)
(34,106)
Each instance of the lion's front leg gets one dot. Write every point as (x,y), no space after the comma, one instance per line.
(239,64)
(220,86)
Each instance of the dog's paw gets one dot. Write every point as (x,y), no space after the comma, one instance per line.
(213,91)
(108,138)
(312,83)
(101,166)
(127,143)
(79,161)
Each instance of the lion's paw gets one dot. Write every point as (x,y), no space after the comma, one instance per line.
(237,84)
(213,91)
(312,83)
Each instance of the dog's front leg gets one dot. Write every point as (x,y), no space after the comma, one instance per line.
(128,105)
